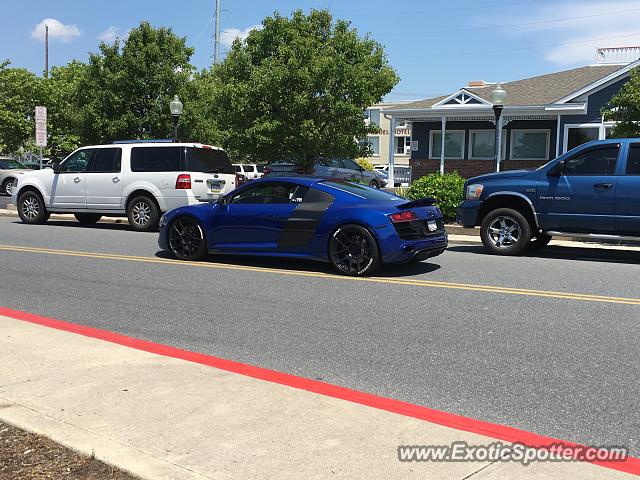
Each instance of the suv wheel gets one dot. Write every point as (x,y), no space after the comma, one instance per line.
(8,185)
(353,251)
(143,214)
(31,208)
(505,232)
(374,184)
(87,217)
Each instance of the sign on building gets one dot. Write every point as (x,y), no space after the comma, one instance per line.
(41,126)
(414,145)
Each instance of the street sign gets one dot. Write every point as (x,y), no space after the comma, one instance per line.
(41,126)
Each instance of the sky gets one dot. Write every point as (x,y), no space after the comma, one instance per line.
(435,46)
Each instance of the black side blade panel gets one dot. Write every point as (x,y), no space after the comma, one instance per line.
(303,222)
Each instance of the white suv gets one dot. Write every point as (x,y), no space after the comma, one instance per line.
(138,179)
(249,170)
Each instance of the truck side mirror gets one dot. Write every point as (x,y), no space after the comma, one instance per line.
(558,169)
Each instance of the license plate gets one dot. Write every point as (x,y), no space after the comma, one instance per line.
(215,186)
(432,225)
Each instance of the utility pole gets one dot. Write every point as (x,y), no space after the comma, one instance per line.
(216,44)
(46,51)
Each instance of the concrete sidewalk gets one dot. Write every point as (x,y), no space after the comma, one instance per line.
(164,418)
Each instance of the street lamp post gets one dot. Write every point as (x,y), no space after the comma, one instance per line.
(176,110)
(498,96)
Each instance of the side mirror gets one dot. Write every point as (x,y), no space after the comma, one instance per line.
(557,169)
(221,200)
(56,166)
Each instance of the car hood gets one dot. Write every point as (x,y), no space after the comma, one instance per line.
(500,175)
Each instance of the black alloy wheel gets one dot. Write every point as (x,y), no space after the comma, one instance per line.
(186,239)
(354,251)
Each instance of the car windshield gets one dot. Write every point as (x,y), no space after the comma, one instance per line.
(11,164)
(208,160)
(361,191)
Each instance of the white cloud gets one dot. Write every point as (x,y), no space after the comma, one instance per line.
(109,35)
(586,26)
(57,31)
(228,35)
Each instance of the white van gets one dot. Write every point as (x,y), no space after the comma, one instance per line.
(139,179)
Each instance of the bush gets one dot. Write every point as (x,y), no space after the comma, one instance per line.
(447,189)
(366,164)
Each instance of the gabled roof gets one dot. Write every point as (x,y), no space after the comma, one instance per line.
(541,90)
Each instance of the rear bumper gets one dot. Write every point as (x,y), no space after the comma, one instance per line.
(467,214)
(402,251)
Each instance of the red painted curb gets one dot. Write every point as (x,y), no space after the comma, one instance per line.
(458,422)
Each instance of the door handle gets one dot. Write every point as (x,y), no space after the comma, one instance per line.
(77,180)
(603,185)
(115,179)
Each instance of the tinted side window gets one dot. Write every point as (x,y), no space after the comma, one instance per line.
(155,159)
(633,159)
(350,164)
(208,160)
(106,160)
(270,192)
(596,161)
(77,162)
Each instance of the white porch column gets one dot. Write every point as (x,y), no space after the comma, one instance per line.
(392,135)
(558,137)
(443,130)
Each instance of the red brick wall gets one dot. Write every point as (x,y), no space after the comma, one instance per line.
(468,168)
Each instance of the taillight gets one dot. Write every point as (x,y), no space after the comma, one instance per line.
(183,182)
(239,179)
(405,216)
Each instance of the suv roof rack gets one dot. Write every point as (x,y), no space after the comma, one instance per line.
(159,140)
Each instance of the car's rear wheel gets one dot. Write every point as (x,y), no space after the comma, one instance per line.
(374,184)
(31,208)
(505,232)
(87,217)
(354,251)
(186,239)
(540,241)
(143,214)
(8,185)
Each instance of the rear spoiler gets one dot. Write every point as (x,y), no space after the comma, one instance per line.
(421,202)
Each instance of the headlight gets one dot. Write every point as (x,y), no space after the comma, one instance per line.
(163,220)
(474,191)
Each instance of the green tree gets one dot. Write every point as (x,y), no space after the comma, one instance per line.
(128,85)
(20,92)
(297,88)
(624,108)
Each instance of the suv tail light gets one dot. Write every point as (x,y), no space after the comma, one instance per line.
(240,179)
(183,182)
(406,216)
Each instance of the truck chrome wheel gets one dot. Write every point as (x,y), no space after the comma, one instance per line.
(141,213)
(31,208)
(504,231)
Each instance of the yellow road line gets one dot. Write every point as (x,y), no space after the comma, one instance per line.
(395,281)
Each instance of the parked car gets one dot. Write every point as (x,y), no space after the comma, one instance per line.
(354,227)
(34,163)
(137,179)
(340,168)
(591,192)
(250,170)
(401,174)
(10,171)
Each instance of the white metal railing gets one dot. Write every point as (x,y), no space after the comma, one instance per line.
(617,54)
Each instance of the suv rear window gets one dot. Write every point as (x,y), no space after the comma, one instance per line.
(155,159)
(208,161)
(360,190)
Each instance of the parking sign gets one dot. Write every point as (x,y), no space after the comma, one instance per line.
(41,126)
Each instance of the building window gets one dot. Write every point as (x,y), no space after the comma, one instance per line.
(375,145)
(481,144)
(453,144)
(579,135)
(402,145)
(373,116)
(529,145)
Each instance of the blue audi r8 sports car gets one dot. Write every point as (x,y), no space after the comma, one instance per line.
(354,227)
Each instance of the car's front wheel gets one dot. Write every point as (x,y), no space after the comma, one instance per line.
(87,217)
(186,239)
(354,251)
(505,232)
(31,208)
(8,185)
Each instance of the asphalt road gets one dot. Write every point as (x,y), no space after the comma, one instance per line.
(444,334)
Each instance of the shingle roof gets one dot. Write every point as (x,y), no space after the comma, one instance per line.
(541,90)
